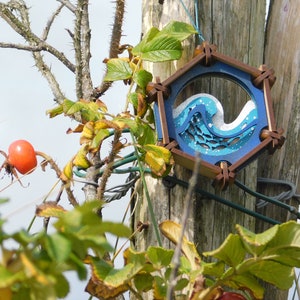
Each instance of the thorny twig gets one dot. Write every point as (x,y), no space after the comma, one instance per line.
(108,170)
(81,41)
(50,22)
(68,5)
(114,44)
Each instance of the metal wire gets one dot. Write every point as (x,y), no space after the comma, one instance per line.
(284,196)
(119,191)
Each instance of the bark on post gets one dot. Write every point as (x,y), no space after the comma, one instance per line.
(283,54)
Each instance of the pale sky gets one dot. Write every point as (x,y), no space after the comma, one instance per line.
(25,97)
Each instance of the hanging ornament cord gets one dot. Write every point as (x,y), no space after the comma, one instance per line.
(195,22)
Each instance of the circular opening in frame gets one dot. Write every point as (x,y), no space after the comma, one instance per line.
(231,95)
(214,115)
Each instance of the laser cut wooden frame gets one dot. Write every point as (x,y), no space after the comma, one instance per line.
(164,93)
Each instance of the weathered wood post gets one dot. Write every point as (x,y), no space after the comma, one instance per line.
(237,28)
(282,52)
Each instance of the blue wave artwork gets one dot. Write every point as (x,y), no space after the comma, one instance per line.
(199,122)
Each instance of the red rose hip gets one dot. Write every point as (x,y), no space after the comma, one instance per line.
(21,155)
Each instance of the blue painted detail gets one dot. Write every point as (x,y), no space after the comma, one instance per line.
(198,123)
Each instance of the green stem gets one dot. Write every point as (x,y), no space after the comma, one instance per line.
(131,85)
(151,211)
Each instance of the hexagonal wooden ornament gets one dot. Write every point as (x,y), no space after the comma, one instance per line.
(197,123)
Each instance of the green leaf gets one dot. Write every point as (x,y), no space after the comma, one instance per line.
(3,200)
(62,286)
(58,247)
(175,31)
(231,251)
(90,111)
(49,209)
(118,229)
(215,269)
(99,137)
(7,278)
(256,243)
(181,284)
(117,69)
(38,291)
(78,266)
(159,257)
(80,159)
(23,293)
(144,133)
(142,78)
(110,277)
(58,110)
(148,37)
(172,231)
(158,159)
(24,237)
(288,235)
(288,255)
(178,30)
(162,49)
(160,288)
(143,282)
(243,281)
(123,122)
(275,273)
(284,247)
(70,107)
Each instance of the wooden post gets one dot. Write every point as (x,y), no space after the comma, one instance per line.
(283,54)
(237,28)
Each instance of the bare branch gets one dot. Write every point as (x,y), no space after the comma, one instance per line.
(68,5)
(50,22)
(22,27)
(114,44)
(22,47)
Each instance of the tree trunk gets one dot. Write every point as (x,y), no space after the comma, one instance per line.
(283,54)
